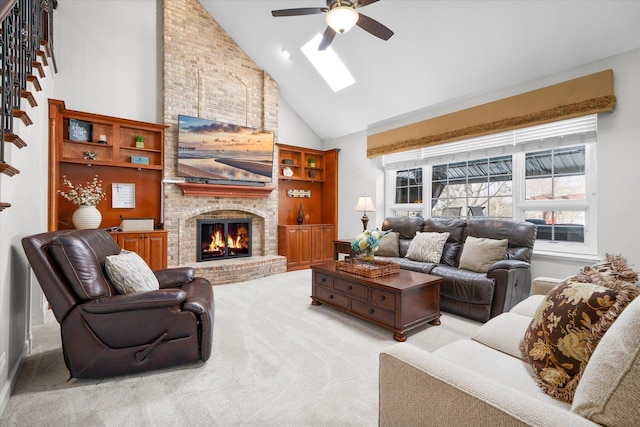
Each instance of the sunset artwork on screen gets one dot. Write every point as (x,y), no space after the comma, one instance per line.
(216,151)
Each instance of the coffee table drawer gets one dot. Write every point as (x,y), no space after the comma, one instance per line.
(323,280)
(332,297)
(383,298)
(373,312)
(350,288)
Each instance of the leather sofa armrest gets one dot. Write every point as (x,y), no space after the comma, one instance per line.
(508,264)
(173,277)
(138,301)
(419,388)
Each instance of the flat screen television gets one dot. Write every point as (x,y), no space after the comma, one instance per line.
(214,151)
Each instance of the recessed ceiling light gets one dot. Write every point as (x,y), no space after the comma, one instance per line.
(328,64)
(285,54)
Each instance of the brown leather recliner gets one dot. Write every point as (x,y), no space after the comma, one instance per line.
(107,334)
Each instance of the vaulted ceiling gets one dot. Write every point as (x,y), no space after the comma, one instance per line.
(442,51)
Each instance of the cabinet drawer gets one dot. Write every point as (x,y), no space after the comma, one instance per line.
(373,312)
(332,297)
(383,298)
(323,280)
(350,288)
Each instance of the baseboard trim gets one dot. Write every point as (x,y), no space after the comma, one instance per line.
(5,394)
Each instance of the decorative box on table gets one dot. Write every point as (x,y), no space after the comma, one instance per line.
(371,269)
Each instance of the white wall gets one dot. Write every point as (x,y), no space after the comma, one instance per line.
(109,56)
(27,194)
(618,157)
(357,176)
(292,130)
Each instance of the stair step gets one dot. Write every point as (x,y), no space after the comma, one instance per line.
(14,139)
(23,116)
(34,80)
(29,97)
(7,169)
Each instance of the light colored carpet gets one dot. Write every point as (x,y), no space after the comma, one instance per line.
(277,361)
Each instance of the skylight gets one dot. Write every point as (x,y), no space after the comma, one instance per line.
(330,67)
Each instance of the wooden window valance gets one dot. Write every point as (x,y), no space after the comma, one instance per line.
(578,97)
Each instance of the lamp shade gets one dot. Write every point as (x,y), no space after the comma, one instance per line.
(342,18)
(365,204)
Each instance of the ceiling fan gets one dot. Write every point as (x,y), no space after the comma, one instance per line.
(341,16)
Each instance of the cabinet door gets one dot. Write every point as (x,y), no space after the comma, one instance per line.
(304,240)
(152,247)
(328,236)
(322,243)
(156,250)
(131,242)
(317,244)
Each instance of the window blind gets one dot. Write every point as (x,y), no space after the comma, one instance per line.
(560,133)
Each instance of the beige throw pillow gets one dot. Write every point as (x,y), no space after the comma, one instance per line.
(480,253)
(129,273)
(427,247)
(608,391)
(389,245)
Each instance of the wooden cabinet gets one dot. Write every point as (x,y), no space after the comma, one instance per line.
(302,164)
(317,195)
(294,242)
(304,245)
(83,145)
(322,237)
(307,180)
(150,245)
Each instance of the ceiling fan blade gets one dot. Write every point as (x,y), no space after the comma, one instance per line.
(363,3)
(299,11)
(327,38)
(374,27)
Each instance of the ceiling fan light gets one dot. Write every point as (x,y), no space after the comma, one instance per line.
(342,18)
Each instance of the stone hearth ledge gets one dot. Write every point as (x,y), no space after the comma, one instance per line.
(240,269)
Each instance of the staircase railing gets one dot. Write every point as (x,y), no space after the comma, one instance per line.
(25,44)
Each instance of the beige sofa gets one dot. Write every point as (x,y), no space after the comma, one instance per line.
(484,381)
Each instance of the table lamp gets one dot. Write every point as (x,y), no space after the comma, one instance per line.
(365,204)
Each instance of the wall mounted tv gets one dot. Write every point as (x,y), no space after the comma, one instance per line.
(213,151)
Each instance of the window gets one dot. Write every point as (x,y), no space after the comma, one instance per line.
(544,175)
(407,192)
(477,188)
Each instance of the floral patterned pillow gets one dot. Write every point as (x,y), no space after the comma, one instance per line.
(567,327)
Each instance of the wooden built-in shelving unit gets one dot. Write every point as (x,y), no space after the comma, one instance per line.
(305,171)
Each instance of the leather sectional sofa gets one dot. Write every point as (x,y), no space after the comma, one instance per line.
(475,295)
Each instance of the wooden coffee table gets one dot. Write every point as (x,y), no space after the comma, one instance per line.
(398,302)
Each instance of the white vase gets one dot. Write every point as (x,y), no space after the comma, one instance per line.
(86,217)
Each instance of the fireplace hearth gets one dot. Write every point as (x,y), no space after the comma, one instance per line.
(223,239)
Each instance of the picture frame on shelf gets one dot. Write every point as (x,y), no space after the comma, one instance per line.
(79,130)
(123,195)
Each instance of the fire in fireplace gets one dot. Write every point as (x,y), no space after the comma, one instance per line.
(223,238)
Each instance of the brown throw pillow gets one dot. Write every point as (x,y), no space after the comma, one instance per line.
(567,328)
(389,245)
(612,268)
(480,253)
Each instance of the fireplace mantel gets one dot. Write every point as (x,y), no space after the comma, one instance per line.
(213,190)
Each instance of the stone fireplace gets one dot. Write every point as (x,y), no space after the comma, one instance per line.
(205,74)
